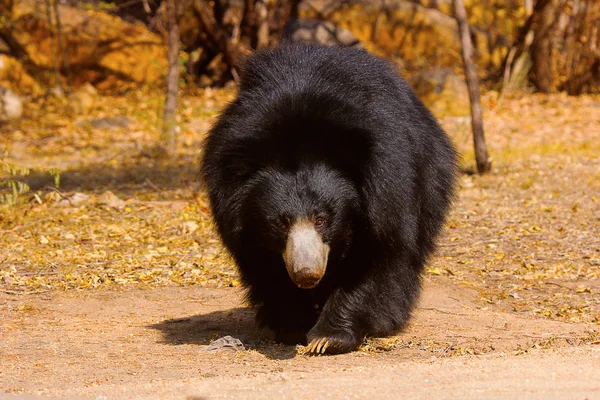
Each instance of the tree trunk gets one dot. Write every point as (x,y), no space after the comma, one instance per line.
(220,8)
(53,46)
(168,136)
(247,25)
(294,9)
(262,24)
(15,49)
(520,50)
(481,154)
(565,52)
(217,35)
(285,11)
(582,59)
(62,47)
(541,49)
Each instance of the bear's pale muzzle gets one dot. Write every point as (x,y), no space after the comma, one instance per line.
(305,255)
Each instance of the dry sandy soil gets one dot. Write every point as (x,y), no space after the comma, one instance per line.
(112,295)
(148,344)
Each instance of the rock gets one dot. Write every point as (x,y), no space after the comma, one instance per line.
(100,46)
(306,30)
(445,93)
(108,198)
(68,236)
(82,100)
(225,343)
(75,200)
(111,123)
(120,122)
(11,106)
(14,76)
(190,226)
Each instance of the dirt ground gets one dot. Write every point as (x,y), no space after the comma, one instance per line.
(111,284)
(147,344)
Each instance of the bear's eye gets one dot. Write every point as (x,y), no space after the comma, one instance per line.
(319,222)
(284,226)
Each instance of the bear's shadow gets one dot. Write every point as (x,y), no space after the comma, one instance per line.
(237,322)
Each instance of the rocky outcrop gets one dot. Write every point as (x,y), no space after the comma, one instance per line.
(14,76)
(97,45)
(422,37)
(11,106)
(306,30)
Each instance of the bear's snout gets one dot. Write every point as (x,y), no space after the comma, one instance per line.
(307,279)
(305,255)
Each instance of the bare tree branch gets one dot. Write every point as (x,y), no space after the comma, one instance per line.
(481,155)
(52,43)
(61,46)
(168,134)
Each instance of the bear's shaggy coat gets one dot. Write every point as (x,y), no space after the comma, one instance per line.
(335,138)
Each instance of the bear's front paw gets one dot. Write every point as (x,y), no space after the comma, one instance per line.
(330,344)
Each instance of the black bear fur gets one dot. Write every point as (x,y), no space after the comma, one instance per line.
(335,132)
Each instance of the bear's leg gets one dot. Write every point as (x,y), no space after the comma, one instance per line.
(337,329)
(289,320)
(378,306)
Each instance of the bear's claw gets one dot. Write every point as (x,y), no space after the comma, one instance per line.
(317,346)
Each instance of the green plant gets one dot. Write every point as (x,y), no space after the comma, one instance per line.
(12,185)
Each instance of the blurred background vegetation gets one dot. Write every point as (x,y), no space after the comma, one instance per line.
(114,45)
(547,46)
(64,63)
(74,50)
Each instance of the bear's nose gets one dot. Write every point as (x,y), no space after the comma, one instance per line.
(306,278)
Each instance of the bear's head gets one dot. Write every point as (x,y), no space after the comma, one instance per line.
(306,214)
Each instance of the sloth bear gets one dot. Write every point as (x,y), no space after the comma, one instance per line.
(329,182)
